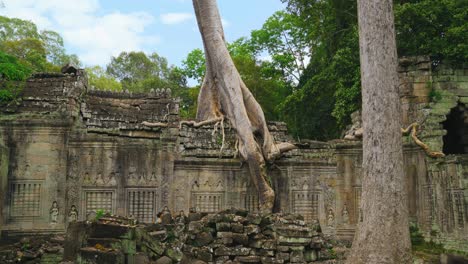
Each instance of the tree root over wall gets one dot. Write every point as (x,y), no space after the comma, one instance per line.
(223,94)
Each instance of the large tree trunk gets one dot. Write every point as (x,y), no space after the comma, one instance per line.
(382,235)
(224,95)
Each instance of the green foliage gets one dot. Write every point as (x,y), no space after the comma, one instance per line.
(189,107)
(285,40)
(40,51)
(12,75)
(6,96)
(133,67)
(419,244)
(265,81)
(99,214)
(433,27)
(415,235)
(194,65)
(101,80)
(434,94)
(30,52)
(25,246)
(16,29)
(329,88)
(11,69)
(140,72)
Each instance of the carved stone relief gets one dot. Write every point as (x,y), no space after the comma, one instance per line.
(73,214)
(54,213)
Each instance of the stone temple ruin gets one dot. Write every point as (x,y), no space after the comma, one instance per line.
(67,150)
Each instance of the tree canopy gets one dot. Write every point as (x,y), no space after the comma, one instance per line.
(40,50)
(302,65)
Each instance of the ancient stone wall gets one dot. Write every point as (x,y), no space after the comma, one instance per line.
(66,151)
(432,93)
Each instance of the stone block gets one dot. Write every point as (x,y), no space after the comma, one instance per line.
(248,259)
(251,229)
(256,243)
(93,255)
(204,238)
(296,256)
(282,240)
(224,235)
(282,256)
(223,227)
(265,252)
(195,226)
(269,244)
(222,260)
(271,260)
(421,89)
(240,239)
(164,260)
(205,254)
(237,228)
(310,255)
(174,253)
(282,248)
(294,231)
(100,230)
(232,251)
(254,219)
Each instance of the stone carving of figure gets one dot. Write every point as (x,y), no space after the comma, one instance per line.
(305,186)
(195,186)
(180,221)
(99,179)
(73,214)
(181,218)
(87,179)
(112,181)
(331,217)
(132,173)
(54,212)
(142,179)
(207,184)
(153,178)
(345,215)
(165,216)
(219,186)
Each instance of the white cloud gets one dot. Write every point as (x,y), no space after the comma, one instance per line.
(175,18)
(93,36)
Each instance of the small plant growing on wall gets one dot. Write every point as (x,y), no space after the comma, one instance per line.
(99,214)
(434,95)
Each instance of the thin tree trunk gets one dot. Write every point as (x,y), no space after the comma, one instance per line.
(383,234)
(224,94)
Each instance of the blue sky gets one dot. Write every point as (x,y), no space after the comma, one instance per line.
(98,29)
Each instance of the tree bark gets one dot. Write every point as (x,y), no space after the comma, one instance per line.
(382,235)
(224,95)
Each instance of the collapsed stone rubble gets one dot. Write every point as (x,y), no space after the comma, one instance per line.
(230,236)
(44,250)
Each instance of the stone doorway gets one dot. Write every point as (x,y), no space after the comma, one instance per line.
(456,125)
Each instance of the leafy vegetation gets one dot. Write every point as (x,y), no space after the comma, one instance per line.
(266,83)
(99,214)
(329,88)
(99,79)
(437,28)
(11,69)
(39,50)
(12,73)
(302,65)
